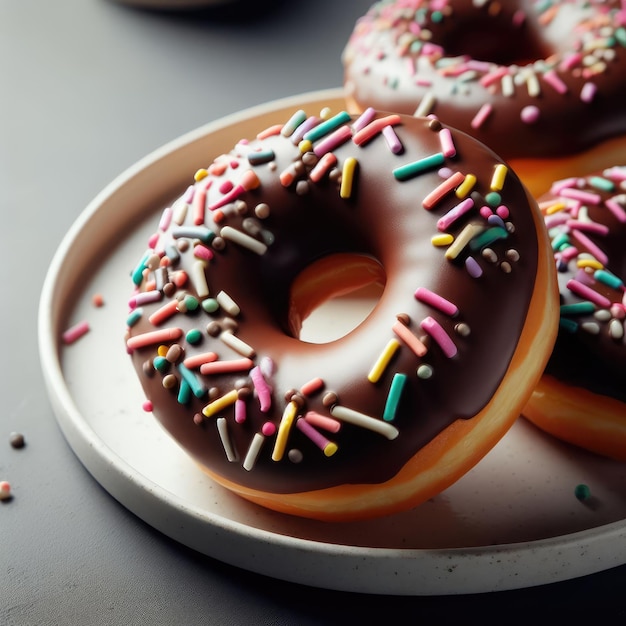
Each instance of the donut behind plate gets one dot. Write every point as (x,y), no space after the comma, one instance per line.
(543,84)
(403,405)
(582,396)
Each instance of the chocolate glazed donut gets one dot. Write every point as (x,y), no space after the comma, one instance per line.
(581,398)
(399,408)
(541,83)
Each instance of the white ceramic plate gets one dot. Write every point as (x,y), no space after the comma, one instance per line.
(512,522)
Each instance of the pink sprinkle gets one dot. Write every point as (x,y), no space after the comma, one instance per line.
(312,386)
(435,330)
(166,219)
(588,92)
(442,190)
(316,437)
(240,411)
(304,128)
(447,143)
(189,193)
(588,294)
(570,61)
(262,389)
(569,253)
(334,140)
(322,166)
(144,297)
(503,211)
(483,113)
(493,77)
(617,210)
(199,205)
(364,119)
(226,186)
(322,421)
(589,227)
(559,185)
(153,240)
(147,406)
(583,240)
(395,145)
(485,212)
(472,267)
(530,114)
(456,212)
(75,332)
(435,300)
(554,80)
(587,197)
(268,429)
(202,252)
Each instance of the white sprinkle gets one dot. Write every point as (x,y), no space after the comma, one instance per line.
(253,451)
(222,429)
(237,344)
(228,304)
(236,236)
(344,414)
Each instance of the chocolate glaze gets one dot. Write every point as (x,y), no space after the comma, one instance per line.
(580,44)
(382,219)
(592,357)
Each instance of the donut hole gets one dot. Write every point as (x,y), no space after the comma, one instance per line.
(496,41)
(331,297)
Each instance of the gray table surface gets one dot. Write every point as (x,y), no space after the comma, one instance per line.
(87,88)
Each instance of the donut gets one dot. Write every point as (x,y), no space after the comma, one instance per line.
(541,83)
(581,398)
(318,205)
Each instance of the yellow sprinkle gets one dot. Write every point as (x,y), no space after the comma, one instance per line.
(593,263)
(326,113)
(305,146)
(289,414)
(499,174)
(200,174)
(445,239)
(465,236)
(549,208)
(466,186)
(221,403)
(330,448)
(347,177)
(383,360)
(162,350)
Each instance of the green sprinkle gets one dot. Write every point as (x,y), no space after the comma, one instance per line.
(578,308)
(568,325)
(184,392)
(601,183)
(210,305)
(328,126)
(606,278)
(134,317)
(393,397)
(487,237)
(191,303)
(620,35)
(194,336)
(204,234)
(410,170)
(559,240)
(137,273)
(436,17)
(197,387)
(493,199)
(582,492)
(161,364)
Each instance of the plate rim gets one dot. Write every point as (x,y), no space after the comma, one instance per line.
(115,474)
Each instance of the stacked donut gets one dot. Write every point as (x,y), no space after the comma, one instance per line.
(543,84)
